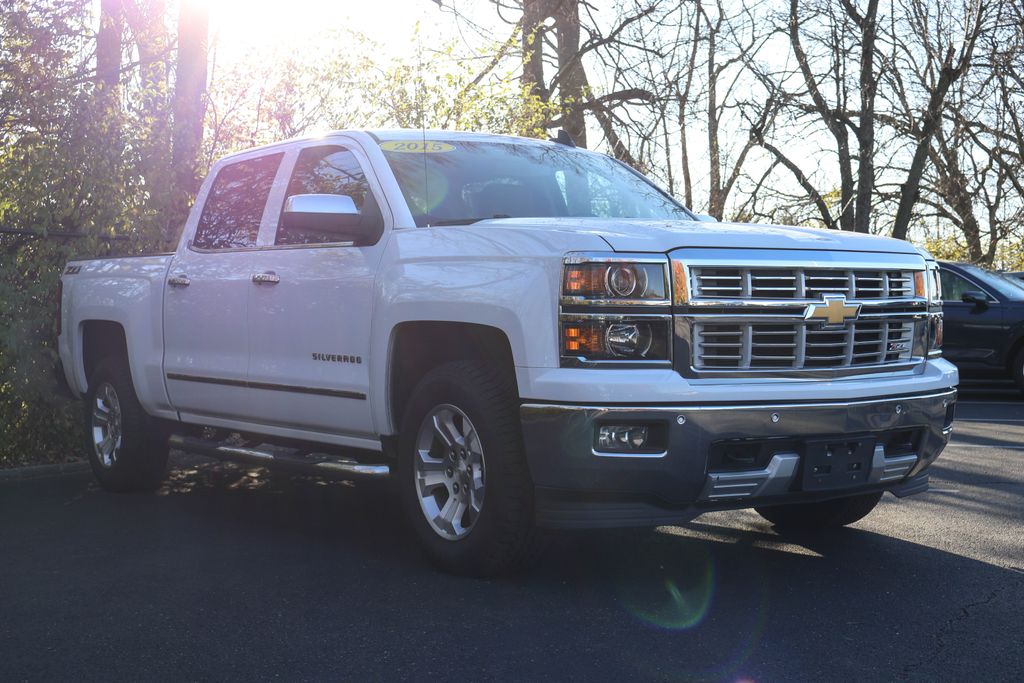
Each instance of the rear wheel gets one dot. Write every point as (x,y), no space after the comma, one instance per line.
(125,446)
(827,514)
(462,474)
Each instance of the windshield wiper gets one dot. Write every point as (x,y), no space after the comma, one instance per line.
(465,221)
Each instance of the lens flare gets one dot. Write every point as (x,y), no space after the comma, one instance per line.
(679,601)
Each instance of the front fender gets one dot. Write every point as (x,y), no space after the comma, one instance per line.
(501,278)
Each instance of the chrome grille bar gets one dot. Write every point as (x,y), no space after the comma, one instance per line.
(733,282)
(753,345)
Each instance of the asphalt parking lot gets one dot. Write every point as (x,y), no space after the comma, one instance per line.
(225,574)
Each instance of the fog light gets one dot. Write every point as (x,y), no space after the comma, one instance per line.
(621,437)
(628,340)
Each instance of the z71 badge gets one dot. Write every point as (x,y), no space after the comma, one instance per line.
(336,358)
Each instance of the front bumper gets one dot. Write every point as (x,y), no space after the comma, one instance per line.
(577,486)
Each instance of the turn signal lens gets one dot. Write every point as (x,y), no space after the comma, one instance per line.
(919,285)
(680,290)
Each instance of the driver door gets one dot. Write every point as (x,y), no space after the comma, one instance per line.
(309,313)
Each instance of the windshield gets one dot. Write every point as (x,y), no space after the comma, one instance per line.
(458,182)
(1009,287)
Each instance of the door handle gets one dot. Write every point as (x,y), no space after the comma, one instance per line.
(268,278)
(179,281)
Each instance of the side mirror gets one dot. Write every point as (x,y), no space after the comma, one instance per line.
(979,299)
(706,218)
(330,214)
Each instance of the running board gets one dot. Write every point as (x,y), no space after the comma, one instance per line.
(279,457)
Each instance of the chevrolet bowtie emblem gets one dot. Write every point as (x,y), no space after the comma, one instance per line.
(833,310)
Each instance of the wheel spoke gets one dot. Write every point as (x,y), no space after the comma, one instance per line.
(444,425)
(451,515)
(100,417)
(431,481)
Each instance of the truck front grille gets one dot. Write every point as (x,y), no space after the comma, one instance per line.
(799,346)
(799,283)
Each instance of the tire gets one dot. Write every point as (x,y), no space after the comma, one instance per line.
(1018,369)
(127,449)
(828,514)
(488,529)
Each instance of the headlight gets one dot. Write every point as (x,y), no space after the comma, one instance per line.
(614,309)
(611,281)
(614,338)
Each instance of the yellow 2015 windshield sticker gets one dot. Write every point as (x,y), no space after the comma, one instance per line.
(426,146)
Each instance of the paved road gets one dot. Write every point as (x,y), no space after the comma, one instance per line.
(224,575)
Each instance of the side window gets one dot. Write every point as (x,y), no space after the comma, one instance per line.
(233,209)
(329,169)
(954,286)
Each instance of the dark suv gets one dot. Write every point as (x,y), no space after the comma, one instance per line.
(984,321)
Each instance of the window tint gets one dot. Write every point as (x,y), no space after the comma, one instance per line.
(954,286)
(233,209)
(329,169)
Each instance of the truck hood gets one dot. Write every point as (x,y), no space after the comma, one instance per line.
(663,236)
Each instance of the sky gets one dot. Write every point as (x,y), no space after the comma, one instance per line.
(242,24)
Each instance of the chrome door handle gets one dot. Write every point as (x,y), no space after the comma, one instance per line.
(179,281)
(268,278)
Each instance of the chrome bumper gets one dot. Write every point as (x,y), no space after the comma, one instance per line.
(679,480)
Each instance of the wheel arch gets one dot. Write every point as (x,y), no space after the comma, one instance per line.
(102,339)
(416,347)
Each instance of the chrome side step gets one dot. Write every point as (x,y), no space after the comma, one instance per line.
(268,455)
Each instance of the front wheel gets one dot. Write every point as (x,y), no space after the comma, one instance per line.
(462,474)
(827,514)
(125,446)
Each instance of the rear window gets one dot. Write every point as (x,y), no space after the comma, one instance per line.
(234,208)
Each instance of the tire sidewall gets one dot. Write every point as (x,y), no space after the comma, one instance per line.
(142,457)
(478,548)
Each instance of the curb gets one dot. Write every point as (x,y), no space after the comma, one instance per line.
(41,471)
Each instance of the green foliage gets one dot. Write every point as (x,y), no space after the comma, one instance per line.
(71,171)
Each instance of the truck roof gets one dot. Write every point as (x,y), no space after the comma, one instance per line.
(381,134)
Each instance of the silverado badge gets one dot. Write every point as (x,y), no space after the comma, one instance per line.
(833,310)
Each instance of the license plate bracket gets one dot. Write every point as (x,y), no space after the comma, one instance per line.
(837,463)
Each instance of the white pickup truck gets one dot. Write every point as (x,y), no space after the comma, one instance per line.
(525,335)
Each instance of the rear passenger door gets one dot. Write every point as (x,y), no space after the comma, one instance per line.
(309,318)
(206,347)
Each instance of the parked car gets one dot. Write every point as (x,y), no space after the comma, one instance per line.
(525,334)
(983,320)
